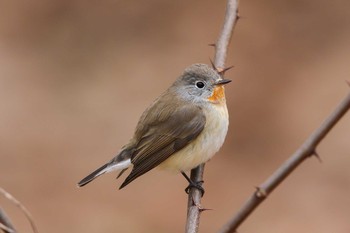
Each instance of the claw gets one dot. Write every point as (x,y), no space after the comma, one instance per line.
(197,185)
(193,184)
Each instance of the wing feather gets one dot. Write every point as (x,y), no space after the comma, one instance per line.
(166,137)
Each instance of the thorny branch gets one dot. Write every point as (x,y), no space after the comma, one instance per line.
(307,150)
(21,207)
(194,197)
(5,223)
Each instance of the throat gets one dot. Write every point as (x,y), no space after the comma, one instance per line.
(218,95)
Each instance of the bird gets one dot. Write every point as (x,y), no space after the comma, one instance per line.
(181,129)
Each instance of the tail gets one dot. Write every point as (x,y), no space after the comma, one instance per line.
(93,175)
(113,165)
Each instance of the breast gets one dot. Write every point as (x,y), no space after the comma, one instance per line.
(206,144)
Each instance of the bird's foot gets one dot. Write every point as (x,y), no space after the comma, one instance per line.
(196,185)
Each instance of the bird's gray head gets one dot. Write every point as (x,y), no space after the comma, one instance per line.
(200,83)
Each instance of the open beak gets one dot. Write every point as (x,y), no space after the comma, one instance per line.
(222,82)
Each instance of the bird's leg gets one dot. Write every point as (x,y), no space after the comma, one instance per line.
(193,184)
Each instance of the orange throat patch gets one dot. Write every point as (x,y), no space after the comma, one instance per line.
(218,95)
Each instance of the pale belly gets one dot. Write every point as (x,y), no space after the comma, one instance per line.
(205,145)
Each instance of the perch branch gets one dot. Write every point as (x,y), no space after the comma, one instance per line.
(21,207)
(307,150)
(231,18)
(194,197)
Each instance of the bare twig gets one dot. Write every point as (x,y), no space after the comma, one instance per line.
(194,197)
(5,223)
(305,151)
(224,39)
(22,207)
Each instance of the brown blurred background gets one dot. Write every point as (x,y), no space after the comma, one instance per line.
(76,75)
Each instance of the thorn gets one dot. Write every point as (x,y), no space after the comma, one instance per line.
(213,65)
(219,70)
(212,45)
(203,209)
(260,193)
(314,153)
(223,71)
(238,15)
(200,208)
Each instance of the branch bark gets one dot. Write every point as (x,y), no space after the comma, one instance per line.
(5,223)
(193,204)
(307,150)
(231,18)
(21,207)
(194,197)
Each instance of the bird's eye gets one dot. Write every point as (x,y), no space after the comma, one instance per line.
(200,84)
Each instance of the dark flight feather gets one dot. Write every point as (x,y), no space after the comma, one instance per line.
(165,138)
